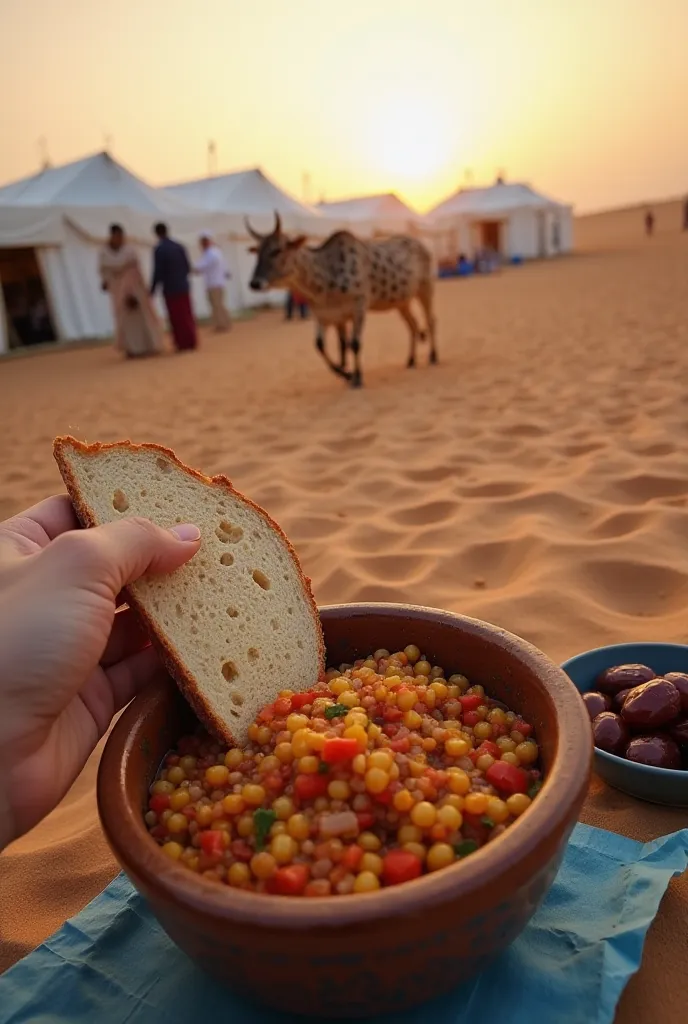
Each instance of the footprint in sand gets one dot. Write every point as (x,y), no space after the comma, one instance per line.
(646,487)
(496,489)
(630,587)
(424,514)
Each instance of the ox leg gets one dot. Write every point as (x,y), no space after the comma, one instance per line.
(409,318)
(359,317)
(341,331)
(320,346)
(426,297)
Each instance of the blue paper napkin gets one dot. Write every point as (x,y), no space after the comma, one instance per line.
(113,963)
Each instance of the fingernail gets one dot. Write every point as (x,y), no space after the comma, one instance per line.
(186,531)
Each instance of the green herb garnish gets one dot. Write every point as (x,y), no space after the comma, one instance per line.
(466,847)
(535,789)
(487,822)
(336,710)
(263,821)
(323,768)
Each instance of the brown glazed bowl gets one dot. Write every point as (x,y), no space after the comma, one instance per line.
(367,953)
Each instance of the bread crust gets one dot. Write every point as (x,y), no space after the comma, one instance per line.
(86,516)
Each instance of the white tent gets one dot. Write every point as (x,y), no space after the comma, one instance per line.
(510,218)
(387,213)
(52,225)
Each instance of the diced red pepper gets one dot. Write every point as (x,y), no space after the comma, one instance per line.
(471,718)
(282,706)
(385,797)
(392,714)
(213,843)
(274,782)
(401,745)
(471,701)
(488,747)
(522,727)
(366,819)
(507,778)
(241,850)
(289,881)
(474,828)
(400,866)
(390,729)
(159,802)
(351,857)
(189,812)
(339,748)
(299,700)
(308,787)
(267,714)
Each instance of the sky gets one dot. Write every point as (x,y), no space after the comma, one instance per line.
(585,100)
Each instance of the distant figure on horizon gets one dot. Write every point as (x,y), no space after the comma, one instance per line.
(649,223)
(685,214)
(215,274)
(295,300)
(138,332)
(171,269)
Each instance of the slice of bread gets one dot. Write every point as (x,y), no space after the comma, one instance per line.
(237,623)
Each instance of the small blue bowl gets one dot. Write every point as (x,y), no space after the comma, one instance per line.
(657,785)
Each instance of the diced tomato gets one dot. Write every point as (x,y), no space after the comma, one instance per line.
(401,745)
(392,714)
(159,832)
(400,866)
(471,718)
(385,797)
(522,727)
(474,828)
(390,729)
(365,820)
(339,748)
(241,850)
(282,706)
(351,857)
(471,701)
(213,842)
(499,730)
(267,714)
(308,787)
(189,812)
(289,881)
(507,778)
(159,802)
(299,700)
(274,782)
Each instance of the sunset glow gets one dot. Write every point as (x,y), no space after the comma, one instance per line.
(583,100)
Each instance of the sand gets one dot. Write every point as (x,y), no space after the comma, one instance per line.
(538,479)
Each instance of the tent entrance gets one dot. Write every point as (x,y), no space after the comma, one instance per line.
(27,313)
(489,234)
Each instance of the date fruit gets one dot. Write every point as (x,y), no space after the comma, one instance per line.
(610,733)
(651,705)
(623,677)
(680,681)
(596,702)
(657,751)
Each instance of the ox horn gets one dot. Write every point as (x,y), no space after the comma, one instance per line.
(252,232)
(278,224)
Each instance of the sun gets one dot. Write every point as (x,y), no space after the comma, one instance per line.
(407,137)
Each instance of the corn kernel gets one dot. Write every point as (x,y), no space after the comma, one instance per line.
(409,834)
(284,848)
(316,740)
(359,764)
(369,842)
(482,730)
(357,732)
(173,850)
(349,699)
(453,800)
(476,803)
(412,720)
(406,699)
(510,758)
(380,693)
(484,762)
(296,722)
(497,716)
(429,697)
(440,855)
(270,763)
(440,689)
(497,810)
(204,815)
(252,731)
(299,827)
(233,803)
(339,789)
(286,693)
(527,752)
(263,865)
(284,753)
(450,817)
(366,882)
(283,807)
(188,763)
(263,736)
(356,717)
(412,653)
(458,680)
(419,849)
(416,767)
(376,780)
(518,803)
(278,828)
(505,744)
(423,814)
(456,747)
(374,731)
(309,764)
(179,799)
(238,874)
(371,862)
(217,775)
(340,685)
(380,759)
(177,823)
(393,680)
(253,795)
(422,668)
(175,775)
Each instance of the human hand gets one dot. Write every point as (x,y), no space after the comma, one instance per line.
(68,663)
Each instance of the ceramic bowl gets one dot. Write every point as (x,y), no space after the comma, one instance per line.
(656,785)
(350,956)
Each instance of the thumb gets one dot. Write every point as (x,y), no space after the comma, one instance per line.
(113,555)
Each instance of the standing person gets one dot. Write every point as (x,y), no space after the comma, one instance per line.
(138,331)
(296,300)
(212,266)
(649,223)
(171,270)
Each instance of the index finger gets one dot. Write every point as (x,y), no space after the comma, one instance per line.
(42,522)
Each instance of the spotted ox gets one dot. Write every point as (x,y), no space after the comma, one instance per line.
(344,278)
